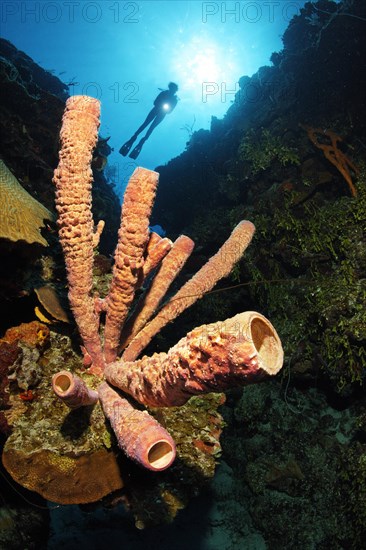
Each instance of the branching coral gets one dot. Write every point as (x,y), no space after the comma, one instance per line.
(328,141)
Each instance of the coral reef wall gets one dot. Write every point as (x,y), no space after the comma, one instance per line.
(32,101)
(315,78)
(289,155)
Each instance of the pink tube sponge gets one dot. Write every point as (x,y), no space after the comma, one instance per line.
(138,434)
(72,390)
(73,179)
(211,358)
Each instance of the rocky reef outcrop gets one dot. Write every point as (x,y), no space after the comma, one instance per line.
(290,155)
(32,101)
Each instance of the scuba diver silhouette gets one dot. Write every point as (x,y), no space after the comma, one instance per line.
(164,104)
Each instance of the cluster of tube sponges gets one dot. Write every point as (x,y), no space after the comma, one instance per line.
(212,357)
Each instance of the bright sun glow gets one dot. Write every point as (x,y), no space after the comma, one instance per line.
(199,61)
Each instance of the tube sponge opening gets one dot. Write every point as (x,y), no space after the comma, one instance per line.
(267,343)
(72,390)
(62,382)
(161,455)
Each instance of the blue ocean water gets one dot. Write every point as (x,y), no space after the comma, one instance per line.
(123,52)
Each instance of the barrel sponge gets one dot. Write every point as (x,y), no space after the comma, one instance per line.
(21,216)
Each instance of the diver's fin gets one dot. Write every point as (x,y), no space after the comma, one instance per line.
(137,150)
(125,149)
